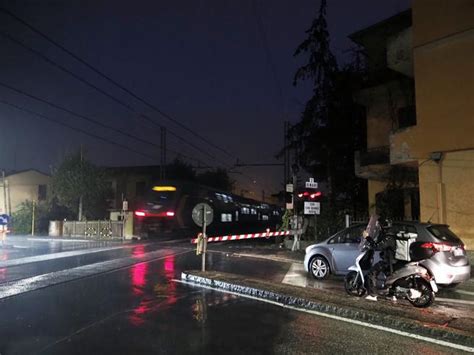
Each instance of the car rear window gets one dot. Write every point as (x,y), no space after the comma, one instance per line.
(397,228)
(444,233)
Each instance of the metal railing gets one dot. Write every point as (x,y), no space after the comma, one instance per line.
(103,230)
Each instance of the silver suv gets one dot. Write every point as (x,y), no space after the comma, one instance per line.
(443,252)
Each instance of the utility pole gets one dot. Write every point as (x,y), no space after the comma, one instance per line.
(33,208)
(80,197)
(163,153)
(4,192)
(286,155)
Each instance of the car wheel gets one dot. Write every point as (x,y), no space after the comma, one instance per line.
(319,268)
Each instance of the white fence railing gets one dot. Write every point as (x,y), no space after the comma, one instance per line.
(93,229)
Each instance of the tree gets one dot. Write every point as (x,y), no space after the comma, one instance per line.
(81,186)
(180,170)
(218,179)
(326,136)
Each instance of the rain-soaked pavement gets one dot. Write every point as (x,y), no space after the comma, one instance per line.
(142,309)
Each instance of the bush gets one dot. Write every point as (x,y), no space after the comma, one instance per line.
(21,219)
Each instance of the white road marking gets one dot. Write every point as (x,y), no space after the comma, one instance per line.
(54,256)
(465,292)
(34,283)
(347,320)
(60,240)
(296,276)
(452,300)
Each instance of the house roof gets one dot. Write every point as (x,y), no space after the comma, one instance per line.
(385,28)
(17,172)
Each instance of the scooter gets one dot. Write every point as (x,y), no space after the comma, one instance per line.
(411,281)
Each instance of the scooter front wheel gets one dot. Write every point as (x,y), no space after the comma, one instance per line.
(353,284)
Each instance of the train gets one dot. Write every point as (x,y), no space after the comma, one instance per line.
(177,208)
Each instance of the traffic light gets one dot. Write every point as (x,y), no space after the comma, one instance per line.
(309,195)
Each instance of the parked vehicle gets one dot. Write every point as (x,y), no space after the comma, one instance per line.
(443,252)
(410,280)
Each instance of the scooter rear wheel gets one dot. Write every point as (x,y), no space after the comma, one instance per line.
(353,284)
(427,295)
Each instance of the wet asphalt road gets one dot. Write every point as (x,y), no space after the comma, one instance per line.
(142,310)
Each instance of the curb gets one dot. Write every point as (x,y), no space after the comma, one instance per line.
(389,321)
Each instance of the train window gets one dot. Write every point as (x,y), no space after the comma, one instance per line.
(245,210)
(253,211)
(236,216)
(264,217)
(226,217)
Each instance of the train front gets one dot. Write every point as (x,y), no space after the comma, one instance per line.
(156,215)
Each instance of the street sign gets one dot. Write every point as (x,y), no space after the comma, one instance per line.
(312,207)
(289,187)
(4,219)
(198,214)
(311,184)
(289,206)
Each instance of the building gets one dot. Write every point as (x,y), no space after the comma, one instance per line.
(441,143)
(388,96)
(130,183)
(18,187)
(420,113)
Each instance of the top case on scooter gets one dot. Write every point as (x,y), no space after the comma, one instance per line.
(403,242)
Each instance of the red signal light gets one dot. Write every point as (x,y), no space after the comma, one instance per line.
(316,194)
(140,214)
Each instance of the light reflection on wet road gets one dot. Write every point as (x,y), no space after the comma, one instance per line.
(140,309)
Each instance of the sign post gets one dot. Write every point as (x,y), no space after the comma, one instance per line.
(203,216)
(4,219)
(204,242)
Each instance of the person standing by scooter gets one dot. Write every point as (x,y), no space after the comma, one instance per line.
(378,240)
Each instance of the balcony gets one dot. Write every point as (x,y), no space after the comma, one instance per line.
(373,163)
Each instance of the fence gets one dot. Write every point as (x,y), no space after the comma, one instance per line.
(93,229)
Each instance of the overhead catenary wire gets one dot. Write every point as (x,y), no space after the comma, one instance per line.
(103,92)
(114,82)
(131,93)
(83,131)
(91,120)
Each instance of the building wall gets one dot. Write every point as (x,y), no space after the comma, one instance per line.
(443,35)
(23,187)
(447,193)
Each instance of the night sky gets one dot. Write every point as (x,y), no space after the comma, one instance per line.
(202,62)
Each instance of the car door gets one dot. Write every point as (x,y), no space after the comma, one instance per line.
(346,248)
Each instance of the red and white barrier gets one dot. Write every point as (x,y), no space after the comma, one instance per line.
(244,236)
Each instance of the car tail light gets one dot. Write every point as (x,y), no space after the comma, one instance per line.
(170,214)
(140,213)
(436,247)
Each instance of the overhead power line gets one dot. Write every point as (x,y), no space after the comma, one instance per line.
(76,129)
(86,118)
(103,92)
(108,78)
